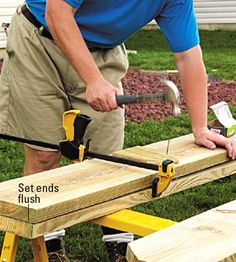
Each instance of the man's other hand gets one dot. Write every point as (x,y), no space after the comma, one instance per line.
(209,139)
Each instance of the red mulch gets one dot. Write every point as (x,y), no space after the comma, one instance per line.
(137,82)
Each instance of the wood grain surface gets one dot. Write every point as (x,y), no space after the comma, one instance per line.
(32,230)
(183,151)
(94,183)
(208,237)
(80,185)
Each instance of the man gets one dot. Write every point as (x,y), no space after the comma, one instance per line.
(69,54)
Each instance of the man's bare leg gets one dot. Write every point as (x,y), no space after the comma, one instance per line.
(38,161)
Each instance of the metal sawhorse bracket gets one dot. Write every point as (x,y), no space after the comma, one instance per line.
(134,222)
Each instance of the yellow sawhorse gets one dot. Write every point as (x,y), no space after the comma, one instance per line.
(10,245)
(134,222)
(125,220)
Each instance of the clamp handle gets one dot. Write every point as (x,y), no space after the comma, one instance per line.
(80,125)
(75,125)
(167,168)
(166,171)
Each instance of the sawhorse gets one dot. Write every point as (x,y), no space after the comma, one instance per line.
(10,245)
(125,220)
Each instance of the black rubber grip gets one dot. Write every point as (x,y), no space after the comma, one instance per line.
(126,99)
(80,125)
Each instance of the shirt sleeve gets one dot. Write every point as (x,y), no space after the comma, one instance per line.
(74,3)
(178,23)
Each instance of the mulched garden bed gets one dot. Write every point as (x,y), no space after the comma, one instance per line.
(137,82)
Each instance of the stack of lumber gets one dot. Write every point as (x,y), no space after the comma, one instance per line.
(96,188)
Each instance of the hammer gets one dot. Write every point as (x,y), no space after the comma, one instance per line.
(172,95)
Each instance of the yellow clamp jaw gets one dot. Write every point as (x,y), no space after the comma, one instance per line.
(74,124)
(81,153)
(166,171)
(68,120)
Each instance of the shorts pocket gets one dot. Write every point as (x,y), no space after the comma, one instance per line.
(5,93)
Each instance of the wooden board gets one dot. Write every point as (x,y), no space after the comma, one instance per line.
(183,151)
(80,186)
(30,230)
(95,181)
(145,154)
(210,236)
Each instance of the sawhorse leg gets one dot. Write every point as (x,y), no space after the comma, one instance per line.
(39,249)
(10,245)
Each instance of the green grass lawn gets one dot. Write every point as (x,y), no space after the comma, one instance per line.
(84,240)
(219,52)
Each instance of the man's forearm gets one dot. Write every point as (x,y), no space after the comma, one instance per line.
(62,25)
(194,83)
(100,93)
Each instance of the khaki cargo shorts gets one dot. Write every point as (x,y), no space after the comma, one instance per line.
(38,84)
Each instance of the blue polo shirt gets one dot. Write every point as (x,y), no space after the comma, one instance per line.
(108,23)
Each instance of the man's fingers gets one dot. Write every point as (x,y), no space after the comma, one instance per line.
(101,107)
(211,140)
(231,148)
(209,144)
(223,141)
(206,141)
(112,102)
(230,145)
(104,105)
(233,144)
(102,101)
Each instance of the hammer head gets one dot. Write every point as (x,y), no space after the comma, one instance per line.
(172,95)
